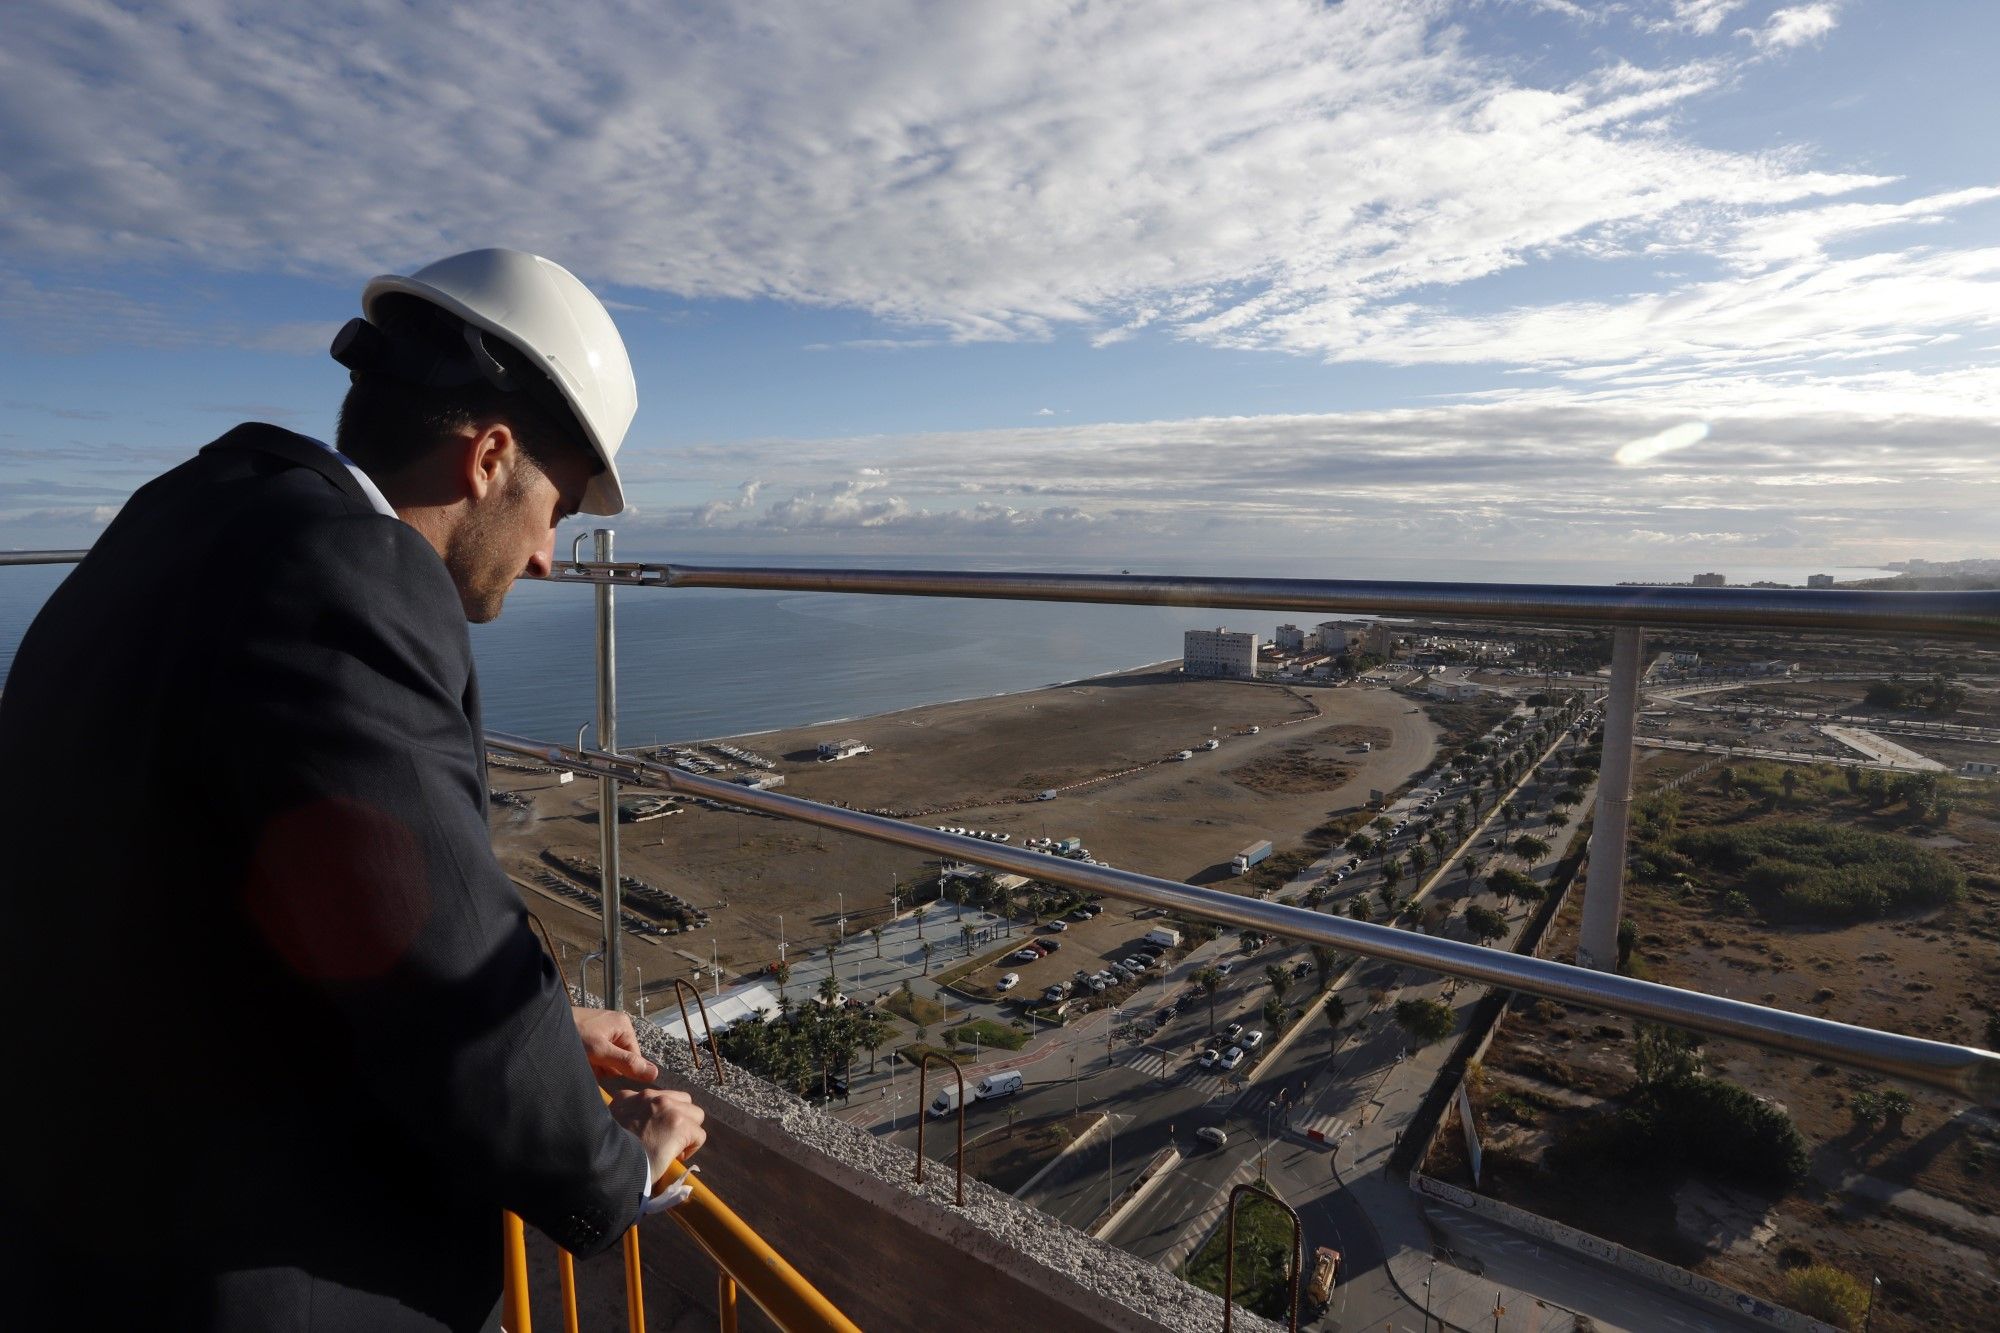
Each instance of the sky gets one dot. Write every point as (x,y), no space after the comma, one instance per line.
(1674,283)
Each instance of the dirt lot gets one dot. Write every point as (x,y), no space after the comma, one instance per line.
(1917,1203)
(979,764)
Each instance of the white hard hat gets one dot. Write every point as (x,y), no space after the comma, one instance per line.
(541,309)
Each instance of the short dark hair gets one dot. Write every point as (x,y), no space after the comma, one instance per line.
(386,423)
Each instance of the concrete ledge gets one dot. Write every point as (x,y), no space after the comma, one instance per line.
(843,1209)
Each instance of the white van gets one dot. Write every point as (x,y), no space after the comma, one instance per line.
(1003,1084)
(1165,936)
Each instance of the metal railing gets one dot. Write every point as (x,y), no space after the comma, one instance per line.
(742,1260)
(1965,1071)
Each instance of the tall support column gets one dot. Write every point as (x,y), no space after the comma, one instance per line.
(607,788)
(1604,890)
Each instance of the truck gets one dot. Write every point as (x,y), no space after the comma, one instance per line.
(1250,856)
(945,1100)
(1211,744)
(1165,936)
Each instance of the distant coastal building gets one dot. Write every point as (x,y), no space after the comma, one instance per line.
(1819,580)
(1219,652)
(841,749)
(1380,641)
(1289,639)
(1711,580)
(1339,636)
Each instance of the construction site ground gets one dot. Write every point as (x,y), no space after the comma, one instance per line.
(1913,1204)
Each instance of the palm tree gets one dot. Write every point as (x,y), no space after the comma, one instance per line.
(1208,981)
(876,931)
(1357,907)
(829,990)
(783,972)
(1360,845)
(1324,960)
(830,950)
(1789,780)
(920,913)
(1277,979)
(929,948)
(1419,860)
(1392,875)
(1335,1010)
(965,938)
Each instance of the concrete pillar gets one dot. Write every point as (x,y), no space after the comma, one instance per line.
(1604,889)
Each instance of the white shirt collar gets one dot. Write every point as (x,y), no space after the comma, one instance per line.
(362,479)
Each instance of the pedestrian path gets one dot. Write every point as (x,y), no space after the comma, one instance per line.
(1145,1059)
(1318,1127)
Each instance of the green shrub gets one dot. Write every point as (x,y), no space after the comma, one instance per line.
(1804,871)
(1684,1126)
(1823,1292)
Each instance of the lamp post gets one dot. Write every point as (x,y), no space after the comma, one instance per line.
(843,915)
(1432,1272)
(781,937)
(639,975)
(1868,1316)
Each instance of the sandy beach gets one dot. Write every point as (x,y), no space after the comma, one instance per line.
(1106,744)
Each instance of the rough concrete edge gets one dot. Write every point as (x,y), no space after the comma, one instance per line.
(1151,1178)
(1502,1212)
(1075,1145)
(1099,1281)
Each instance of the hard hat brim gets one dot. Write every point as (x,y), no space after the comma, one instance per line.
(605,495)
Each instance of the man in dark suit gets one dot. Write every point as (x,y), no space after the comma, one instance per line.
(294,1045)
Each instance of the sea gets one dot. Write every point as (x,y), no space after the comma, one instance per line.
(696,663)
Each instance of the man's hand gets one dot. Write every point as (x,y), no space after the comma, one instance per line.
(611,1046)
(668,1123)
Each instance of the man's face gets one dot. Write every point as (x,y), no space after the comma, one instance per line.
(510,532)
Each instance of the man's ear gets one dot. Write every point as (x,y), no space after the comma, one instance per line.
(489,453)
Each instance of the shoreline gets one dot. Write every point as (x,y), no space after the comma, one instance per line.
(911,708)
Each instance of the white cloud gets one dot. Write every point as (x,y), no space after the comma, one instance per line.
(1700,17)
(1862,466)
(1686,434)
(1045,411)
(1794,26)
(1269,172)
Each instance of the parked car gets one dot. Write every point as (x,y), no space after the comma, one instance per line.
(1211,1136)
(1008,982)
(1055,927)
(1231,1058)
(1049,946)
(1233,1031)
(1165,1016)
(1024,955)
(1209,1058)
(1301,967)
(1055,992)
(1252,1039)
(1224,966)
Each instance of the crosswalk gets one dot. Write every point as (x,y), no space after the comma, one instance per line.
(1157,1063)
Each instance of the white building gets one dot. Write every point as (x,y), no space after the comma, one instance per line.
(1219,652)
(1289,639)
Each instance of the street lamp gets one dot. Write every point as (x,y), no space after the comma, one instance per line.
(843,915)
(781,937)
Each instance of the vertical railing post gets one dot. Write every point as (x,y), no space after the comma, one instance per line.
(607,788)
(1604,889)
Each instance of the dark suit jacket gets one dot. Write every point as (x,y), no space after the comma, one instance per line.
(280,1041)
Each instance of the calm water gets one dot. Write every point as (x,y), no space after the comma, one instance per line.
(699,663)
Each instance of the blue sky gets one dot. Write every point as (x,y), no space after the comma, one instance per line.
(1044,280)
